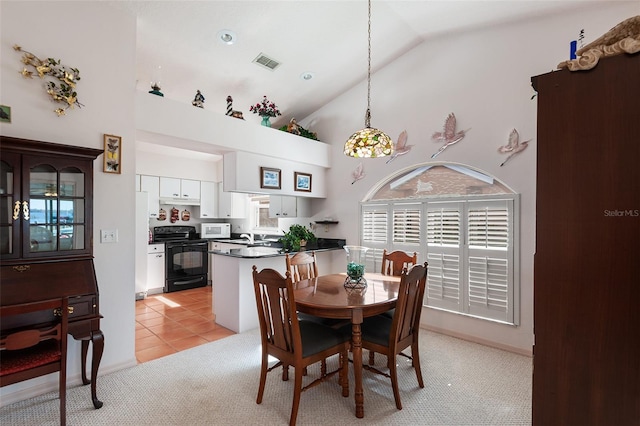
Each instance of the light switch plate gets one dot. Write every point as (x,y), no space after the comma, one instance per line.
(108,235)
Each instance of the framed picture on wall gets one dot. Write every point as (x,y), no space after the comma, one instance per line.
(302,181)
(112,154)
(269,178)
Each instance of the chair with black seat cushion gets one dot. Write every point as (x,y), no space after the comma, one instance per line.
(31,351)
(293,342)
(393,264)
(390,336)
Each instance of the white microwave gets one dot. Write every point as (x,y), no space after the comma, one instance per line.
(215,230)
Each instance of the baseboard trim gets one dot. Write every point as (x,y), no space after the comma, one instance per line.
(38,388)
(480,341)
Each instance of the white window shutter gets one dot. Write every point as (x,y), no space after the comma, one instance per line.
(444,254)
(490,254)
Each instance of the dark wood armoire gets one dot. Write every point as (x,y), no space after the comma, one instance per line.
(586,364)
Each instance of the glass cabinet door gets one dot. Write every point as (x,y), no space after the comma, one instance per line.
(10,205)
(56,220)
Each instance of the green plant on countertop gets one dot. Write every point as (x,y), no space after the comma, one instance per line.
(291,241)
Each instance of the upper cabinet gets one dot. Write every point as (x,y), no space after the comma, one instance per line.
(45,199)
(208,200)
(284,206)
(232,205)
(151,185)
(179,191)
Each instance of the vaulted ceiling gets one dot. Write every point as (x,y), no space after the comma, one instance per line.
(178,43)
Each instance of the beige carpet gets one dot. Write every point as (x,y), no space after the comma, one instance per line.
(216,384)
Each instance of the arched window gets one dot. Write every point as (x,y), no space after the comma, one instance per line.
(462,221)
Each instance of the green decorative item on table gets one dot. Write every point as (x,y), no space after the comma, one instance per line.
(356,260)
(296,237)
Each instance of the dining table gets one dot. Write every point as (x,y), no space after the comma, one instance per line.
(327,296)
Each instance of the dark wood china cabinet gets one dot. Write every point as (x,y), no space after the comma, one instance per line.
(46,236)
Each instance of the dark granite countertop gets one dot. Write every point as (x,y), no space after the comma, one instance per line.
(322,244)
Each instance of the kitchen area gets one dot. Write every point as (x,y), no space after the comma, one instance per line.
(204,217)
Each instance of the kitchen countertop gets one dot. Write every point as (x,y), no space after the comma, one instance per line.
(322,244)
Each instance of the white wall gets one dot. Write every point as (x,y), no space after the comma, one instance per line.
(484,78)
(100,42)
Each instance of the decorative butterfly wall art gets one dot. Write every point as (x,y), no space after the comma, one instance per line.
(358,173)
(514,146)
(448,135)
(400,147)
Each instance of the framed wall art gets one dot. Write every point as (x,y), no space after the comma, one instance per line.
(5,114)
(269,178)
(302,181)
(112,154)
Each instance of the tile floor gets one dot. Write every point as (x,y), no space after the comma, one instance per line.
(167,323)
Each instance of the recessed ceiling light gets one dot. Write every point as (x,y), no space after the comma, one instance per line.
(306,76)
(227,36)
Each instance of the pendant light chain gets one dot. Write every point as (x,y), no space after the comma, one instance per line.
(367,117)
(368,142)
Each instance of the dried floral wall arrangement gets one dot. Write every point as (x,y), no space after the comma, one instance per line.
(61,80)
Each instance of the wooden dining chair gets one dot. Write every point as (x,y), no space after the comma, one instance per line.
(32,351)
(393,263)
(391,336)
(302,265)
(293,342)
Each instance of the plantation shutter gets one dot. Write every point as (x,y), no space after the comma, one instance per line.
(490,274)
(444,254)
(375,233)
(406,224)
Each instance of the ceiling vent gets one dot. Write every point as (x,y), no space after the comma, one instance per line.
(267,62)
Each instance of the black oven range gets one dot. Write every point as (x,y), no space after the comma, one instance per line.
(187,259)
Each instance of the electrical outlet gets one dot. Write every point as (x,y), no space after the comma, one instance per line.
(108,235)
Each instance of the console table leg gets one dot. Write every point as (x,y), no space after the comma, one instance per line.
(97,338)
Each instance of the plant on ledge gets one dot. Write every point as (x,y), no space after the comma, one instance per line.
(297,236)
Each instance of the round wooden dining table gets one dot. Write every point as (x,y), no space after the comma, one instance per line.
(326,296)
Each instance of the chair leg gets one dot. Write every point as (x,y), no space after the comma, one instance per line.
(415,354)
(372,355)
(63,396)
(323,367)
(393,372)
(285,372)
(263,377)
(297,390)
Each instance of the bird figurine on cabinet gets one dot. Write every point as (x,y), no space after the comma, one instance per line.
(448,135)
(514,146)
(400,147)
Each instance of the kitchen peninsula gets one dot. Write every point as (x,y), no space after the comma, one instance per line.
(234,302)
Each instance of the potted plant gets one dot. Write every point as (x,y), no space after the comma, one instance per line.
(297,237)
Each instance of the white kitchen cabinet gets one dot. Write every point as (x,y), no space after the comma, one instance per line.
(284,206)
(151,185)
(155,266)
(232,205)
(174,189)
(208,200)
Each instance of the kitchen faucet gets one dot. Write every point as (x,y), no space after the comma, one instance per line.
(249,236)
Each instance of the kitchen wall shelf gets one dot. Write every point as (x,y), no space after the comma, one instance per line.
(326,223)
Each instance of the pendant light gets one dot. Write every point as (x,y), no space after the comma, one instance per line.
(368,142)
